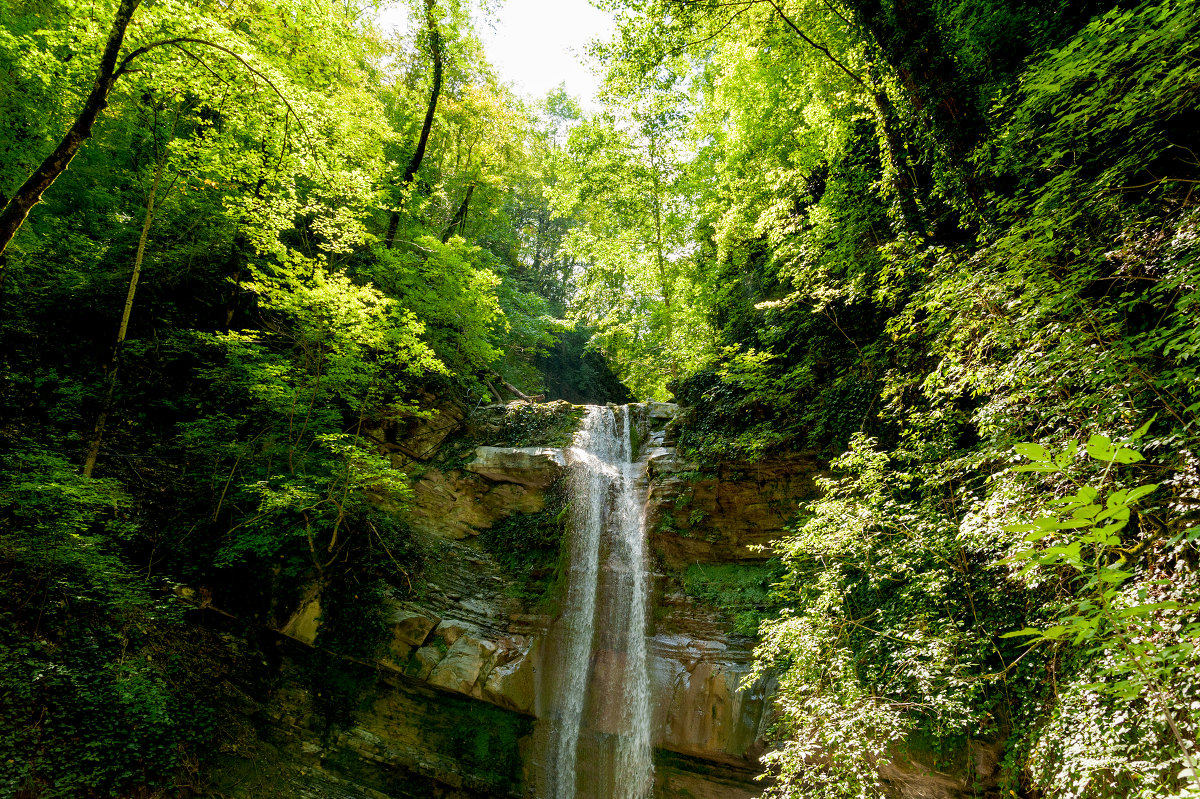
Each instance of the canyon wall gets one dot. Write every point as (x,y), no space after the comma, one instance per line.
(456,705)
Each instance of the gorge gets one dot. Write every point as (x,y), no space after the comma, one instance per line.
(584,686)
(616,681)
(813,413)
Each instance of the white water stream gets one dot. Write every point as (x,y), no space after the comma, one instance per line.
(603,695)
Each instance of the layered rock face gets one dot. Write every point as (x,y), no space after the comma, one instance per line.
(466,632)
(461,697)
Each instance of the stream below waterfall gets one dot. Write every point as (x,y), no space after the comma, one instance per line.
(599,737)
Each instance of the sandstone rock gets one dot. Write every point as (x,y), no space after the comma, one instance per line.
(396,656)
(665,461)
(305,622)
(460,669)
(425,662)
(661,411)
(455,505)
(410,625)
(510,683)
(727,516)
(451,630)
(912,774)
(417,433)
(533,467)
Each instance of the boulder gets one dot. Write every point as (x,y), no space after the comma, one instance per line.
(510,683)
(451,630)
(661,411)
(409,625)
(533,467)
(425,661)
(305,622)
(460,669)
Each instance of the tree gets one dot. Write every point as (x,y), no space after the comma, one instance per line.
(30,193)
(414,163)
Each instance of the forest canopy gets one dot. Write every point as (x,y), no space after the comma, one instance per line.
(951,247)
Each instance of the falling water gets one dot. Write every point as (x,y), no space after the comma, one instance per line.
(604,621)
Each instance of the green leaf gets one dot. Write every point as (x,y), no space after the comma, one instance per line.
(1028,631)
(1125,455)
(1141,431)
(1067,455)
(1114,576)
(1140,492)
(1121,513)
(1034,452)
(1147,609)
(1101,448)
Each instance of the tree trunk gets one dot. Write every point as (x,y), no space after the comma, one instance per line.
(110,381)
(892,145)
(459,223)
(30,194)
(435,46)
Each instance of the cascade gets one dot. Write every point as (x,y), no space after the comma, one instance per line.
(600,736)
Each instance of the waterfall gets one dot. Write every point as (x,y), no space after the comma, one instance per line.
(603,694)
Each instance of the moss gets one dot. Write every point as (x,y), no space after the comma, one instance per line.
(530,545)
(489,739)
(741,592)
(551,424)
(475,745)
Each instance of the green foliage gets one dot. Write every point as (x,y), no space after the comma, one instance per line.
(1142,642)
(742,592)
(881,632)
(95,693)
(535,425)
(909,234)
(921,237)
(530,545)
(269,333)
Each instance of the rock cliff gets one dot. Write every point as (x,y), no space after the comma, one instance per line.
(457,698)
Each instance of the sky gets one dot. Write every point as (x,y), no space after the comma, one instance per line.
(538,44)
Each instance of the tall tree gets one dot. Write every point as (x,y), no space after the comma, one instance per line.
(435,91)
(30,193)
